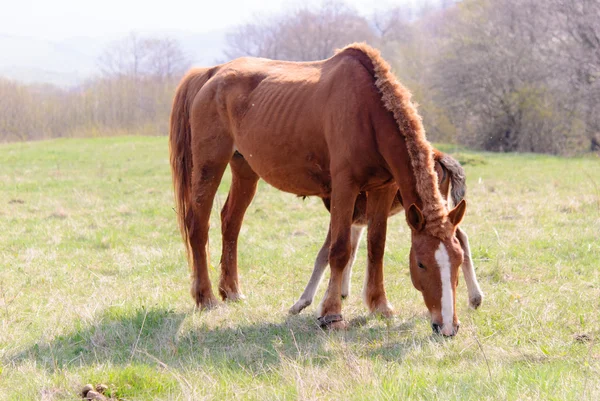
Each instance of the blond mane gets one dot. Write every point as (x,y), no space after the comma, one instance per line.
(397,99)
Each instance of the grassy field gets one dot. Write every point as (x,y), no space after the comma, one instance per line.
(94,288)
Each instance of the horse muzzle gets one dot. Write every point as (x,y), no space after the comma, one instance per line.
(446,331)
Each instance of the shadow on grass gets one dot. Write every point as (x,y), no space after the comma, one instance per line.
(154,336)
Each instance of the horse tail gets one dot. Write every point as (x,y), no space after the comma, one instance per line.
(457,177)
(180,147)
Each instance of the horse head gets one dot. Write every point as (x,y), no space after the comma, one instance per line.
(434,264)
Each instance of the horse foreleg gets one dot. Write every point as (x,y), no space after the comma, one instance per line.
(343,198)
(356,233)
(475,294)
(378,206)
(241,193)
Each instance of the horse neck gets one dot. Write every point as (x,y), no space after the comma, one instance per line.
(392,146)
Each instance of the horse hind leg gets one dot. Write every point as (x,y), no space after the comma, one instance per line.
(321,263)
(210,153)
(378,206)
(243,187)
(475,293)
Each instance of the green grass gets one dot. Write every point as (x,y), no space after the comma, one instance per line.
(94,288)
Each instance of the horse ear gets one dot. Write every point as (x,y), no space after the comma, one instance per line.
(456,215)
(415,217)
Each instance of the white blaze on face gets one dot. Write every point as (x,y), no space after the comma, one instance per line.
(443,260)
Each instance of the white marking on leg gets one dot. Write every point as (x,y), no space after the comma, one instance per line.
(355,236)
(475,293)
(321,263)
(365,284)
(319,311)
(316,277)
(443,260)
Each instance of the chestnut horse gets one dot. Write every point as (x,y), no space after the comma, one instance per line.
(450,175)
(332,128)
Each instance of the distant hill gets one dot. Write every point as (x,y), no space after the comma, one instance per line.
(71,61)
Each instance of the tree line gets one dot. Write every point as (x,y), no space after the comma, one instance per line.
(499,75)
(132,95)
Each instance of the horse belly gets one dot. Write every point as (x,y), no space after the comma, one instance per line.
(280,133)
(298,172)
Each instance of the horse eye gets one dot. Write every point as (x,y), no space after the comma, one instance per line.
(421,265)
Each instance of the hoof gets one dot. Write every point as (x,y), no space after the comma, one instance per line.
(344,296)
(208,305)
(233,297)
(299,306)
(230,292)
(475,301)
(382,308)
(206,302)
(332,322)
(343,325)
(384,311)
(203,295)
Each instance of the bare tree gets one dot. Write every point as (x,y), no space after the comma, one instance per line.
(135,57)
(138,76)
(315,34)
(501,89)
(394,24)
(164,58)
(575,34)
(256,40)
(303,35)
(124,57)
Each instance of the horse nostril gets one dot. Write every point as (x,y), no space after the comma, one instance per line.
(436,328)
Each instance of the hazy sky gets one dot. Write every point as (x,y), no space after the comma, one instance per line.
(59,19)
